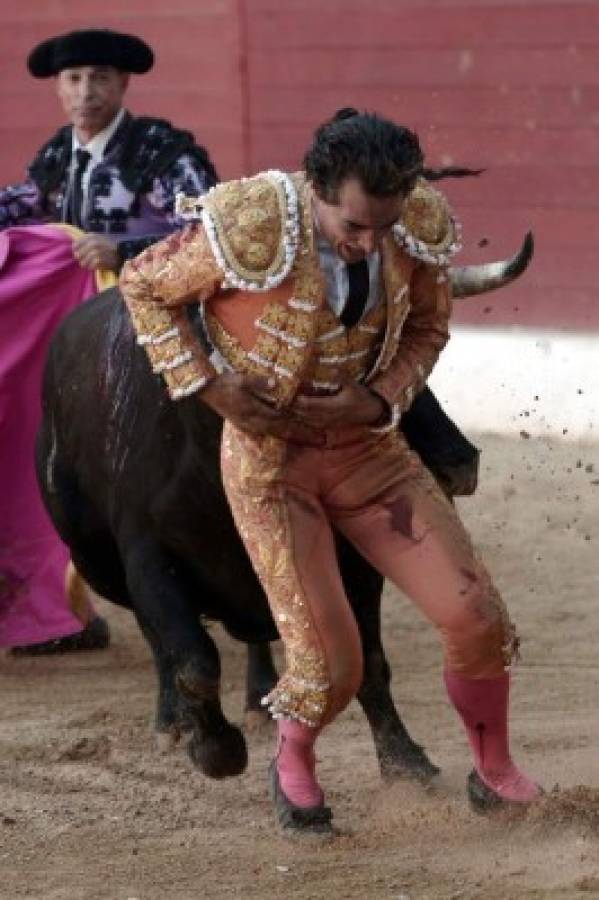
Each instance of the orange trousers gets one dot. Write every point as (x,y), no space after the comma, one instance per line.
(287,497)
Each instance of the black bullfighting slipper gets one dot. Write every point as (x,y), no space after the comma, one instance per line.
(298,819)
(483,799)
(95,636)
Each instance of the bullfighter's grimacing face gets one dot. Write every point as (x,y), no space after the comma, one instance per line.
(357,223)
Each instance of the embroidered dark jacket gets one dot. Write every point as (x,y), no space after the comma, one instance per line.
(131,192)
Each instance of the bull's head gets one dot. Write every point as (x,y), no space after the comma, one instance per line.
(469,280)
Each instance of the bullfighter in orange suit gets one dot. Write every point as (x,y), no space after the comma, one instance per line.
(325,304)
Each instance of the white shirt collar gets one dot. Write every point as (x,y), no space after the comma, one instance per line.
(98,143)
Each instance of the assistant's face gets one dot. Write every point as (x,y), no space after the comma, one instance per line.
(357,223)
(91,96)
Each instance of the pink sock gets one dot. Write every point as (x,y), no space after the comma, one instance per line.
(296,763)
(483,705)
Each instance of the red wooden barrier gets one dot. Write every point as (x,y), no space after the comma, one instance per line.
(512,85)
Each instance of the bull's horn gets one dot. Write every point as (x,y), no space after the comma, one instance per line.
(469,280)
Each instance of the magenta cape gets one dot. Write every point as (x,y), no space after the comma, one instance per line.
(40,282)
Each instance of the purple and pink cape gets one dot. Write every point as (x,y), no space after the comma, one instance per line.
(40,283)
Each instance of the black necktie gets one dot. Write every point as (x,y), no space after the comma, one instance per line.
(74,209)
(357,295)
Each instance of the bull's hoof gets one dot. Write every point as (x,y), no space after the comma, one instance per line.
(408,762)
(219,755)
(300,820)
(173,717)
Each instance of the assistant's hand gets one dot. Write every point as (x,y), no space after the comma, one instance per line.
(95,251)
(243,399)
(353,404)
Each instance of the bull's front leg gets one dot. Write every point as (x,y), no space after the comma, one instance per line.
(397,753)
(187,658)
(172,717)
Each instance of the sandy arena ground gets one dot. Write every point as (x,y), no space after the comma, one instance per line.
(90,808)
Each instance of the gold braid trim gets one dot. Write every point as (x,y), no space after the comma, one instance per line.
(252,225)
(252,466)
(427,229)
(155,286)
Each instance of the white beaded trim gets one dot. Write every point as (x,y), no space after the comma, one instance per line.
(180,392)
(400,324)
(276,704)
(290,239)
(284,336)
(392,423)
(288,717)
(304,305)
(400,295)
(419,250)
(409,394)
(333,360)
(154,339)
(166,335)
(326,385)
(168,365)
(329,335)
(269,364)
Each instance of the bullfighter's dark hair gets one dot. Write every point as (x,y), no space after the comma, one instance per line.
(384,157)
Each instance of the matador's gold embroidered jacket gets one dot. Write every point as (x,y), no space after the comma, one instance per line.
(252,265)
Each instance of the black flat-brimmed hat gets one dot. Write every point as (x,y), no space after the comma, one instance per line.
(94,47)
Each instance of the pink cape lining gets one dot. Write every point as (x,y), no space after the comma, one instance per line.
(40,282)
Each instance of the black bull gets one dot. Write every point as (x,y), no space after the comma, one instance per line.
(132,483)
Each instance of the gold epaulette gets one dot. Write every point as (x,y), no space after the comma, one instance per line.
(253,229)
(427,229)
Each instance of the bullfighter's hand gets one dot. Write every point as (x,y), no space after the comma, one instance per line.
(95,251)
(244,400)
(353,404)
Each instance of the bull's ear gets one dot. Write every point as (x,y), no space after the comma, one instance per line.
(427,229)
(253,227)
(466,281)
